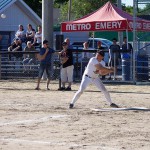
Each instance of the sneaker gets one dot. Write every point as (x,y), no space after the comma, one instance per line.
(48,88)
(62,89)
(71,106)
(68,89)
(114,105)
(37,88)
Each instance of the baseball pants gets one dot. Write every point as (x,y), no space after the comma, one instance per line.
(85,82)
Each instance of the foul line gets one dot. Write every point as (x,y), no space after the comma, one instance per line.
(38,120)
(31,142)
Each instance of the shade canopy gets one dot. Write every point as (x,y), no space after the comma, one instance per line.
(107,18)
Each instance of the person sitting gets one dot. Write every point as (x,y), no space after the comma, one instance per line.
(15,46)
(38,37)
(20,34)
(30,58)
(30,33)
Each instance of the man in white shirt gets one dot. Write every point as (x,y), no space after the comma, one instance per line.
(91,75)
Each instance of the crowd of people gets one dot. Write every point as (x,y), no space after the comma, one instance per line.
(31,39)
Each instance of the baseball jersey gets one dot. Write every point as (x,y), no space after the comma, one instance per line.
(90,69)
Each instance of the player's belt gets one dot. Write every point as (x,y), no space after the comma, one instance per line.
(88,76)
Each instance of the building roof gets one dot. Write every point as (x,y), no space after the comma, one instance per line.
(4,4)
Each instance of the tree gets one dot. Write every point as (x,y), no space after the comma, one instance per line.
(81,8)
(36,5)
(145,10)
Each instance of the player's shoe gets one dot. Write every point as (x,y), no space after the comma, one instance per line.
(68,89)
(71,106)
(61,89)
(114,105)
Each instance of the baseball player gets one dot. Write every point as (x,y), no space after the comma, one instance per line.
(91,75)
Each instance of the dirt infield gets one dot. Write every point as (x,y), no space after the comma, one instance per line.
(41,120)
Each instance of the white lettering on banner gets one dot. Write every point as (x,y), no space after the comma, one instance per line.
(108,25)
(77,27)
(138,25)
(146,26)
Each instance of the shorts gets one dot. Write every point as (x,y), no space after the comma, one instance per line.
(46,67)
(67,74)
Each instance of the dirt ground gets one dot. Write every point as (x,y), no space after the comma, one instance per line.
(41,120)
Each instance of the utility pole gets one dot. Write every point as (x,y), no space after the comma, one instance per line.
(47,21)
(47,24)
(120,34)
(69,10)
(134,36)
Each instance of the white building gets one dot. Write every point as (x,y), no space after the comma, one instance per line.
(17,12)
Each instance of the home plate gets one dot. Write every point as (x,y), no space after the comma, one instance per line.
(120,109)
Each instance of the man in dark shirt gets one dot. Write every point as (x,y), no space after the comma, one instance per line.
(16,46)
(45,57)
(114,56)
(67,67)
(129,49)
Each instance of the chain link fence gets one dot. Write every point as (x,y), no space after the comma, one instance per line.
(15,69)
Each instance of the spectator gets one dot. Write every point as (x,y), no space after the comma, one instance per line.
(30,58)
(114,56)
(38,37)
(30,33)
(99,47)
(124,48)
(45,57)
(20,34)
(67,67)
(15,46)
(86,55)
(67,40)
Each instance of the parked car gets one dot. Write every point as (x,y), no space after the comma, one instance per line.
(105,42)
(93,45)
(105,45)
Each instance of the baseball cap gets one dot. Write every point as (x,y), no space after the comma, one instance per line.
(101,53)
(16,39)
(45,42)
(64,43)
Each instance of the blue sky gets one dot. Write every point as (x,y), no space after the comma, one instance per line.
(127,2)
(130,3)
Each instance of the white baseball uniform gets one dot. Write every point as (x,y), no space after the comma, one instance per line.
(90,77)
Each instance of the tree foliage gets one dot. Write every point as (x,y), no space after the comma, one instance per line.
(36,6)
(80,8)
(145,10)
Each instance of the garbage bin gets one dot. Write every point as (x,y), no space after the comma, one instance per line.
(125,69)
(142,68)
